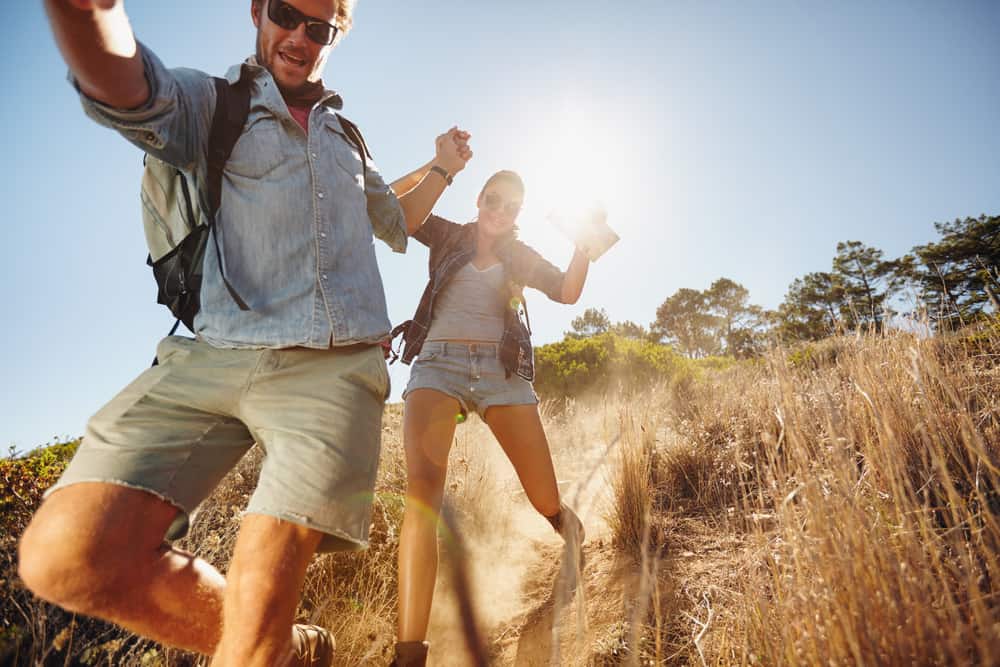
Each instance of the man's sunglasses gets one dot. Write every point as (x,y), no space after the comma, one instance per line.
(492,202)
(285,16)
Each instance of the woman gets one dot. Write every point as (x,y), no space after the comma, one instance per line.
(474,354)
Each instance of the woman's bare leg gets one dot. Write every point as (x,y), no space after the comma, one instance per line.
(428,429)
(518,428)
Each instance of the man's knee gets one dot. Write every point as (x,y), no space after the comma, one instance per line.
(75,554)
(58,571)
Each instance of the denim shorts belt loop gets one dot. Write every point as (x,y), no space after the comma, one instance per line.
(474,351)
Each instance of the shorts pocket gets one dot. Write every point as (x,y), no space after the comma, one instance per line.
(387,379)
(428,355)
(171,346)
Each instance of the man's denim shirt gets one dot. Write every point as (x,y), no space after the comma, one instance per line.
(296,220)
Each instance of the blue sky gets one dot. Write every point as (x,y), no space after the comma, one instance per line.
(727,139)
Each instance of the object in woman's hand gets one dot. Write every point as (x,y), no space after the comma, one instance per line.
(588,229)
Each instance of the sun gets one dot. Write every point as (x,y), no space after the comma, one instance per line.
(576,161)
(575,165)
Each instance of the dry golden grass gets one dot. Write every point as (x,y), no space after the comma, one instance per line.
(836,509)
(859,498)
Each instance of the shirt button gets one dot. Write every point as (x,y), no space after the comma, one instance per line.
(315,156)
(319,194)
(324,276)
(322,235)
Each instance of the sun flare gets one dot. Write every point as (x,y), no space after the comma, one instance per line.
(576,163)
(576,167)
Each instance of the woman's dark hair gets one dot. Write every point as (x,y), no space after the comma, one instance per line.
(504,175)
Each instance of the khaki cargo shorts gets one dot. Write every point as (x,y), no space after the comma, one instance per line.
(183,424)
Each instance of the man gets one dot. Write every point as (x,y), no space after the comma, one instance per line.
(300,371)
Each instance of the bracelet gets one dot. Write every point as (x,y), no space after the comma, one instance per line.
(444,174)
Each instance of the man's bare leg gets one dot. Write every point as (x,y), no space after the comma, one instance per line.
(264,583)
(97,549)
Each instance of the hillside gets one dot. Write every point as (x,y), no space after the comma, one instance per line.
(833,504)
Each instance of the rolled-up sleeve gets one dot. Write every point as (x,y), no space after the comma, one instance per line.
(533,270)
(434,229)
(173,124)
(388,220)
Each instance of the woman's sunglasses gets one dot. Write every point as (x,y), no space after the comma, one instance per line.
(285,16)
(492,202)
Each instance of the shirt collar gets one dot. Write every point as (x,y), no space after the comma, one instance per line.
(250,67)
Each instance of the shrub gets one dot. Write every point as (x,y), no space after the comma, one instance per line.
(606,362)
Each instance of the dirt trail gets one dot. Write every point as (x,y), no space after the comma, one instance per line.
(514,565)
(523,610)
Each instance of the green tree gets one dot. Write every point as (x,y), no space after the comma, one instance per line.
(867,281)
(740,325)
(685,320)
(629,329)
(594,321)
(812,306)
(956,276)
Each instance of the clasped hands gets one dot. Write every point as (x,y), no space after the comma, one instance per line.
(452,150)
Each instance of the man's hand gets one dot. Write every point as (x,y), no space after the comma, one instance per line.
(452,150)
(96,41)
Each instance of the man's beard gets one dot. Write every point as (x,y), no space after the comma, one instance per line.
(286,91)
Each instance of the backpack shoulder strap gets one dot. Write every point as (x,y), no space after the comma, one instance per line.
(232,107)
(354,134)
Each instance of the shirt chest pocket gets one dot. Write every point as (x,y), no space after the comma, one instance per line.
(258,150)
(345,154)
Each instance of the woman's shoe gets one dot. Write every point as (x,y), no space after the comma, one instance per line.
(570,528)
(568,525)
(410,654)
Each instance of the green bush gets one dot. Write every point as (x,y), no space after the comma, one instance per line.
(575,366)
(24,479)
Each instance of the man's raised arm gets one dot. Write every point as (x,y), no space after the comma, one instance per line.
(97,42)
(417,194)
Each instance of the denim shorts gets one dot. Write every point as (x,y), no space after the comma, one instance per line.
(183,424)
(471,373)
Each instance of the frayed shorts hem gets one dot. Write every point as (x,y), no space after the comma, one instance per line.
(178,528)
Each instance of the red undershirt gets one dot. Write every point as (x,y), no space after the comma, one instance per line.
(301,116)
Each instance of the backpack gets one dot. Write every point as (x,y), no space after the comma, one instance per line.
(177,228)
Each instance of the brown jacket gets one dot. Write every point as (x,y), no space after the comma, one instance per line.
(452,247)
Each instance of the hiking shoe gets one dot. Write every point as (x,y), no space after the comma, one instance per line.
(570,528)
(312,646)
(410,654)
